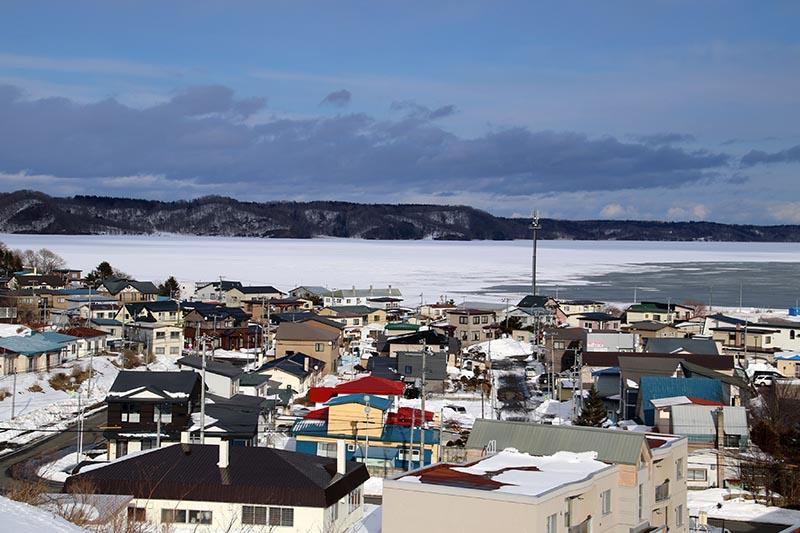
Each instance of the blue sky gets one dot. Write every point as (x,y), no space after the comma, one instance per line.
(638,110)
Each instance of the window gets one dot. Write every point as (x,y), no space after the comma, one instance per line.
(200,517)
(318,347)
(160,350)
(484,320)
(356,321)
(679,515)
(165,411)
(641,501)
(767,340)
(331,515)
(137,514)
(174,350)
(657,318)
(679,468)
(791,334)
(173,516)
(558,345)
(796,370)
(476,320)
(254,515)
(131,412)
(552,523)
(408,369)
(605,500)
(697,474)
(662,491)
(354,500)
(160,334)
(281,516)
(148,444)
(463,320)
(122,448)
(174,335)
(731,441)
(326,449)
(463,335)
(476,335)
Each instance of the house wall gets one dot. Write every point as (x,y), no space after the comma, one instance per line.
(329,353)
(342,420)
(788,368)
(228,516)
(440,508)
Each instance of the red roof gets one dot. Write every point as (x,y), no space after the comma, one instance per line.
(84,332)
(403,416)
(701,401)
(321,394)
(319,414)
(372,385)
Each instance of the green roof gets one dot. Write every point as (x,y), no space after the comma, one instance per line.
(400,326)
(612,445)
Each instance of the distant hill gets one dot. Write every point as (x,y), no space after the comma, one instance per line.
(38,213)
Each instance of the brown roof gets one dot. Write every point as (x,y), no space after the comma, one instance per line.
(84,332)
(256,475)
(303,331)
(713,362)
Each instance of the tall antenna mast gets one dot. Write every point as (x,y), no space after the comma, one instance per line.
(534,228)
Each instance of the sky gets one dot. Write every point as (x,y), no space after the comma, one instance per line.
(659,110)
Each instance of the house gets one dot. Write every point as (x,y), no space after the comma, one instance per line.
(681,345)
(598,341)
(307,337)
(213,291)
(666,313)
(594,321)
(129,290)
(648,330)
(434,312)
(161,311)
(747,340)
(239,420)
(472,325)
(503,491)
(298,371)
(309,292)
(221,379)
(361,421)
(236,295)
(71,345)
(68,275)
(148,409)
(788,364)
(705,424)
(363,297)
(258,308)
(388,346)
(113,327)
(563,345)
(659,387)
(410,366)
(30,352)
(650,474)
(355,316)
(242,488)
(155,339)
(90,340)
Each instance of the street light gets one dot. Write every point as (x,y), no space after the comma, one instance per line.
(76,390)
(366,410)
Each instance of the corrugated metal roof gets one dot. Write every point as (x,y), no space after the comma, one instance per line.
(33,345)
(702,420)
(666,387)
(377,402)
(612,446)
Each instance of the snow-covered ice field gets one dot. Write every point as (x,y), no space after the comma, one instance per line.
(416,267)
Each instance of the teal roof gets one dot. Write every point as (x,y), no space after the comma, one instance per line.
(52,336)
(654,388)
(33,345)
(611,445)
(395,433)
(378,402)
(402,327)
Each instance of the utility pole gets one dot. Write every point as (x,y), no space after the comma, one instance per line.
(410,456)
(203,396)
(158,426)
(423,417)
(534,228)
(14,391)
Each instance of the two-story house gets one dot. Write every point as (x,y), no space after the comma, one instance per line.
(129,290)
(472,325)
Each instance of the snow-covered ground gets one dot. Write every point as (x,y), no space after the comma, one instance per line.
(737,508)
(38,414)
(21,518)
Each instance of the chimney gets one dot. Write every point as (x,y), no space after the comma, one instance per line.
(720,444)
(224,454)
(341,463)
(184,437)
(305,364)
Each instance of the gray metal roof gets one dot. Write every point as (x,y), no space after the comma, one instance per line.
(612,446)
(694,419)
(669,345)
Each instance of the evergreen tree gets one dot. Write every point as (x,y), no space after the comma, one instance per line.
(594,411)
(170,288)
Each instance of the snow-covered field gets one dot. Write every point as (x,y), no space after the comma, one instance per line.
(416,267)
(737,508)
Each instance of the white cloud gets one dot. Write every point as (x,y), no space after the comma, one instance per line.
(700,211)
(788,212)
(612,211)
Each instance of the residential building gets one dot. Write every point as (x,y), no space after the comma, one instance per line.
(223,487)
(681,345)
(161,312)
(472,325)
(129,290)
(788,364)
(155,339)
(91,341)
(297,371)
(411,367)
(307,337)
(235,296)
(598,341)
(650,473)
(221,379)
(213,291)
(594,321)
(355,296)
(30,352)
(500,492)
(666,313)
(310,292)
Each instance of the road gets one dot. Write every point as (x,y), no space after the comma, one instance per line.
(23,463)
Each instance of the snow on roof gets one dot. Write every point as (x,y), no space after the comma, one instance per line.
(513,472)
(14,330)
(23,518)
(503,348)
(659,403)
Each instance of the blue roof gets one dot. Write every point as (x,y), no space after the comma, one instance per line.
(614,370)
(33,345)
(653,388)
(394,433)
(106,322)
(78,292)
(378,402)
(377,452)
(52,336)
(792,357)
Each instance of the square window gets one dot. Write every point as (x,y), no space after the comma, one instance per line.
(137,514)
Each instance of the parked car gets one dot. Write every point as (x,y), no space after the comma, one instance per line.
(765,378)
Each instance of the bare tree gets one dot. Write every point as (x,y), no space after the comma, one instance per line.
(43,261)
